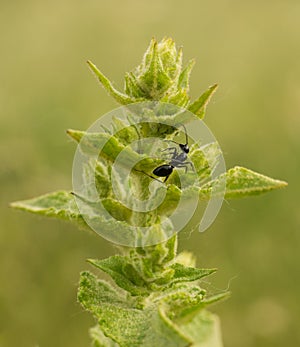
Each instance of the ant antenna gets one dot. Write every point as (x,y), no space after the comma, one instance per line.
(186,135)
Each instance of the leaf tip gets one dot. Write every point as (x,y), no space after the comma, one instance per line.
(69,131)
(90,261)
(214,87)
(192,62)
(13,204)
(282,184)
(74,134)
(216,298)
(90,64)
(19,205)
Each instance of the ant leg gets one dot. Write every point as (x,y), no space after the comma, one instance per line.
(191,164)
(145,173)
(185,165)
(182,166)
(171,153)
(166,178)
(168,148)
(172,150)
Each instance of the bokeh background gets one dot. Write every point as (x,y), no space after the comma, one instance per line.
(252,48)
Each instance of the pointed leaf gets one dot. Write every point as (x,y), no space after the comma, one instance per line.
(205,160)
(132,86)
(136,328)
(155,80)
(171,61)
(122,272)
(180,98)
(60,204)
(92,292)
(118,96)
(128,327)
(104,145)
(188,274)
(148,260)
(183,81)
(242,182)
(198,107)
(216,298)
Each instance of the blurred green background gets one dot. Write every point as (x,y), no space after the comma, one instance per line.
(253,50)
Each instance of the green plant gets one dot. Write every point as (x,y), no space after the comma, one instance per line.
(156,297)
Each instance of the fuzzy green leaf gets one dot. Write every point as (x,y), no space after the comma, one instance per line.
(102,144)
(187,274)
(205,160)
(198,107)
(155,80)
(123,273)
(100,340)
(170,58)
(136,328)
(180,99)
(183,82)
(204,330)
(93,291)
(125,325)
(129,278)
(179,273)
(118,96)
(60,204)
(132,86)
(187,301)
(242,182)
(111,147)
(216,298)
(150,260)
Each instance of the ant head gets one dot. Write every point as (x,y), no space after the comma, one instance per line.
(184,147)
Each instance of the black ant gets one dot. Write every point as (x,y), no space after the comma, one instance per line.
(178,159)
